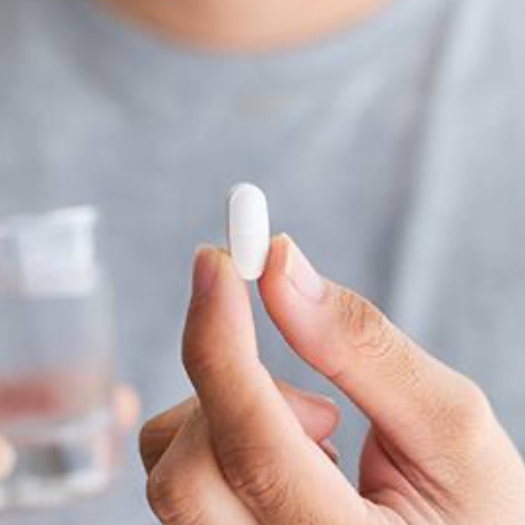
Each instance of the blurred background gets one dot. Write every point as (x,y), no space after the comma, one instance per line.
(388,136)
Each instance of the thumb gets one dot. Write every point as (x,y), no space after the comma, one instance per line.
(403,390)
(263,452)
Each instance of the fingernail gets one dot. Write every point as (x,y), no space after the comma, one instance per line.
(7,459)
(204,270)
(301,272)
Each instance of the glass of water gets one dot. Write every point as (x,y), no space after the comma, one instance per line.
(56,360)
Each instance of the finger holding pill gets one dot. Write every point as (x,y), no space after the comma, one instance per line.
(248,230)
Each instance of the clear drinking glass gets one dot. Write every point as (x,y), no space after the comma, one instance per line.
(56,359)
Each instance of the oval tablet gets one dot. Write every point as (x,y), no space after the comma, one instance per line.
(248,230)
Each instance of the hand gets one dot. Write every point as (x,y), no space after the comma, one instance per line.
(127,409)
(242,455)
(318,416)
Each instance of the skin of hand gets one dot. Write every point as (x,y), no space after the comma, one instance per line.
(244,453)
(126,407)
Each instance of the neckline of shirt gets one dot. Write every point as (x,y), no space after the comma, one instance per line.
(378,34)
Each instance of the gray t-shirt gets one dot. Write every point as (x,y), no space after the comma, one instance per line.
(393,152)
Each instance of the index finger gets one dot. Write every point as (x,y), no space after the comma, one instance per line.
(264,453)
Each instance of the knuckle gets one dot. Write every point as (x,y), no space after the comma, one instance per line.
(257,474)
(465,423)
(165,426)
(462,433)
(172,502)
(371,332)
(346,306)
(471,414)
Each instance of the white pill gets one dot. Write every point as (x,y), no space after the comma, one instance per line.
(248,230)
